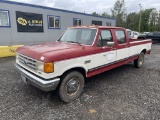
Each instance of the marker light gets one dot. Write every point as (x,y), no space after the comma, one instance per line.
(48,67)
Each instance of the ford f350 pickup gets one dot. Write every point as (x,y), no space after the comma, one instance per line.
(80,52)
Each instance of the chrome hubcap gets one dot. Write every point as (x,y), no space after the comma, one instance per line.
(72,86)
(141,61)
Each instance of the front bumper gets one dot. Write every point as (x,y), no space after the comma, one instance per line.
(43,84)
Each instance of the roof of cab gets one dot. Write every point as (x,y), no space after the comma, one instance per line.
(96,26)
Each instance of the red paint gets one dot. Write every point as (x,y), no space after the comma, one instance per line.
(148,52)
(140,43)
(109,67)
(56,51)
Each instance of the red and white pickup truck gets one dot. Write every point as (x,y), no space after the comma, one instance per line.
(81,52)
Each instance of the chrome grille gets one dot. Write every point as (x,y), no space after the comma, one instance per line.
(27,61)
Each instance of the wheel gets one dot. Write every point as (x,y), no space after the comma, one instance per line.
(71,86)
(139,61)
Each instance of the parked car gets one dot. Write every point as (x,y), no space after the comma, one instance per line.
(130,33)
(81,52)
(135,34)
(146,32)
(155,36)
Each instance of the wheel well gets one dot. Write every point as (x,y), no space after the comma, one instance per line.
(144,51)
(79,69)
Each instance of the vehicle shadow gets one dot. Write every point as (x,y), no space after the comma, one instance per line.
(92,84)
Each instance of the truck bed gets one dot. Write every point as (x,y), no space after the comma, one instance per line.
(139,41)
(133,40)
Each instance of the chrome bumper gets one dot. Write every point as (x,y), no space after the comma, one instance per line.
(43,84)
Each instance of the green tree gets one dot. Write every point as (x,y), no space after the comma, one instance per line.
(150,18)
(95,13)
(158,21)
(118,11)
(154,23)
(132,21)
(105,14)
(145,20)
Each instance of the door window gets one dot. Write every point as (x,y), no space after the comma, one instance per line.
(104,37)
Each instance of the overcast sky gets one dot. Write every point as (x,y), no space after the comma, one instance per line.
(90,6)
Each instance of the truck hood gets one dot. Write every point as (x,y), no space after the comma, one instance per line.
(38,51)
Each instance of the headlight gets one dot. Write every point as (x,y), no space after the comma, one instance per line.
(45,67)
(40,66)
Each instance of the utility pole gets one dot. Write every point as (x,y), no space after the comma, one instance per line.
(140,17)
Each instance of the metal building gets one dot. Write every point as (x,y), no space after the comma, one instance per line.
(24,24)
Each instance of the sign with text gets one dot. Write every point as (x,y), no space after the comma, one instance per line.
(29,22)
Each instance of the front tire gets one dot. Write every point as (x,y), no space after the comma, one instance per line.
(139,61)
(71,86)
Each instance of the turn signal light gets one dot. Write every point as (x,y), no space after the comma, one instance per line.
(48,67)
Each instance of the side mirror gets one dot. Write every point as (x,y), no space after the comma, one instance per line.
(110,44)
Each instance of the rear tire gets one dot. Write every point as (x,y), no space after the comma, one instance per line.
(139,61)
(71,86)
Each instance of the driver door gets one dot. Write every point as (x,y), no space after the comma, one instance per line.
(108,54)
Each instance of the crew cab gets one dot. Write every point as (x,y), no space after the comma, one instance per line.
(80,52)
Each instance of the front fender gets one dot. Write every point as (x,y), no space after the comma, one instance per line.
(62,67)
(74,66)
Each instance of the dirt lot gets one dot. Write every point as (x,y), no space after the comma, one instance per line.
(124,93)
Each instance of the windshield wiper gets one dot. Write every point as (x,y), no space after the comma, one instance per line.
(74,42)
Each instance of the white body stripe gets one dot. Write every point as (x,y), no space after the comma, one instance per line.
(123,53)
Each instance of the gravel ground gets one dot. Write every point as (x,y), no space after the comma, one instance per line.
(124,93)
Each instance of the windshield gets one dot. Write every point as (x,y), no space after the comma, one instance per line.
(79,35)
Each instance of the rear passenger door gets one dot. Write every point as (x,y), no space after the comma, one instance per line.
(122,45)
